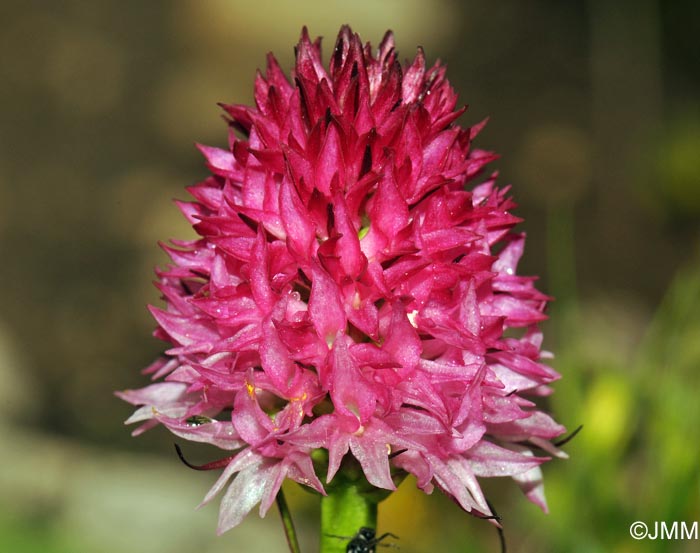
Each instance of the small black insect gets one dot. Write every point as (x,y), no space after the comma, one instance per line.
(366,541)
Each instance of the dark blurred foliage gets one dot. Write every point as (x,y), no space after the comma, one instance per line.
(594,108)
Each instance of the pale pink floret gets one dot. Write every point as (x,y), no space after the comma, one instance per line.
(350,290)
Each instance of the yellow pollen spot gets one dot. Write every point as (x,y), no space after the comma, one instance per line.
(250,388)
(302,397)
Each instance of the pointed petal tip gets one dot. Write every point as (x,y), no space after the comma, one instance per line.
(387,40)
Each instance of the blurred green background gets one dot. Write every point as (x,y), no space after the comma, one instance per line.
(595,110)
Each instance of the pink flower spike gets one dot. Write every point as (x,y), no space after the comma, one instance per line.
(351,304)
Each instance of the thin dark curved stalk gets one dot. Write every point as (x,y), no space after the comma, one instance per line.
(568,438)
(499,528)
(289,531)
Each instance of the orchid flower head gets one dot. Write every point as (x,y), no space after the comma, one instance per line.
(353,289)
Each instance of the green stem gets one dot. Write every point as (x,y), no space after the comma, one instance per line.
(289,531)
(344,511)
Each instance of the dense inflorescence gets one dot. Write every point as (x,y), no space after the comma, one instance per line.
(350,292)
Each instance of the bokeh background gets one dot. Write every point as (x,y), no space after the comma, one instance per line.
(594,108)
